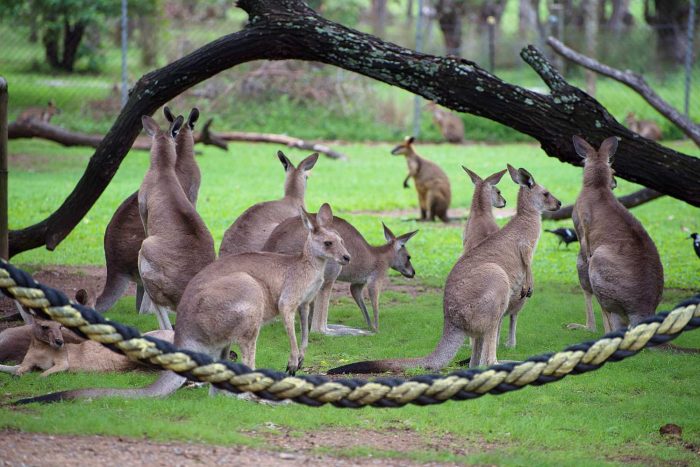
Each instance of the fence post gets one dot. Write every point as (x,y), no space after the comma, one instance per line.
(4,242)
(689,57)
(419,48)
(125,78)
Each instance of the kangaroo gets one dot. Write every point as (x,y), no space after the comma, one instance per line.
(451,126)
(646,128)
(369,268)
(125,232)
(481,224)
(618,261)
(178,244)
(56,356)
(230,300)
(40,114)
(432,184)
(14,342)
(481,285)
(252,228)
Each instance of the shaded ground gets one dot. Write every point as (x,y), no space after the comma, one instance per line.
(39,449)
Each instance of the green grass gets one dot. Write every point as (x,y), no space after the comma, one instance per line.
(609,416)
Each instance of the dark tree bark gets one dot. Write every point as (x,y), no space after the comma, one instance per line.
(50,39)
(449,16)
(287,29)
(632,200)
(670,22)
(72,36)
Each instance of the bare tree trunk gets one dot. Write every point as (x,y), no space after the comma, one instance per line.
(591,33)
(620,16)
(670,22)
(72,36)
(449,15)
(288,29)
(379,17)
(632,200)
(148,39)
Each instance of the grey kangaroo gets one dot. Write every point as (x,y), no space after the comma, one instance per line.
(178,244)
(481,285)
(369,267)
(125,232)
(252,228)
(230,300)
(618,261)
(432,184)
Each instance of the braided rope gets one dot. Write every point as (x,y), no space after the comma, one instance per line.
(317,390)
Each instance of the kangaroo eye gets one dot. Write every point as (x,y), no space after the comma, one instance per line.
(328,243)
(44,327)
(546,193)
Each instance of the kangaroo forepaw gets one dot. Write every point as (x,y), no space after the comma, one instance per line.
(529,292)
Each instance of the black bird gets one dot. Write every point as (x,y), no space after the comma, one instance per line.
(565,235)
(696,242)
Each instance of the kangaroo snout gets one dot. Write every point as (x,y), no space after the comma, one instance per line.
(59,343)
(345,259)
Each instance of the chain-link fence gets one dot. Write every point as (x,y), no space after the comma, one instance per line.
(311,100)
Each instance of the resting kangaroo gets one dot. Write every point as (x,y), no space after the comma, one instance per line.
(125,232)
(431,182)
(481,285)
(55,356)
(451,126)
(178,244)
(40,114)
(14,342)
(369,267)
(230,300)
(252,228)
(646,128)
(618,261)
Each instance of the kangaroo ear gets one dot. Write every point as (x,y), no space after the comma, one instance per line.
(81,296)
(521,176)
(150,125)
(410,139)
(286,163)
(475,178)
(495,178)
(402,239)
(608,148)
(176,125)
(583,149)
(388,234)
(168,114)
(193,117)
(308,163)
(325,216)
(306,220)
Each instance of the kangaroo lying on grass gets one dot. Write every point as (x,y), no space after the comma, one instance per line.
(646,128)
(482,284)
(229,301)
(431,182)
(252,228)
(40,114)
(48,352)
(125,232)
(369,267)
(451,126)
(14,342)
(178,244)
(618,261)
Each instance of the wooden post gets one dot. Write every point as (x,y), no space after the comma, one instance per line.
(4,245)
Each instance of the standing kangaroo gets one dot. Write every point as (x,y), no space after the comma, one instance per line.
(230,300)
(252,228)
(481,285)
(431,182)
(40,114)
(125,232)
(369,268)
(646,128)
(178,244)
(451,126)
(618,261)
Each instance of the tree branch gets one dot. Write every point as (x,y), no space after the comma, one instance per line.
(633,199)
(634,81)
(288,29)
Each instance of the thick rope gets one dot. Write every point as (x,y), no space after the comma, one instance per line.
(317,390)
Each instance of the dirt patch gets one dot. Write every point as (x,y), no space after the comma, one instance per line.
(39,449)
(457,215)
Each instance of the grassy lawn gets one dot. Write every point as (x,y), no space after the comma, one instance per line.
(610,416)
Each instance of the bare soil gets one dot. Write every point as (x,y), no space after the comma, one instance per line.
(35,449)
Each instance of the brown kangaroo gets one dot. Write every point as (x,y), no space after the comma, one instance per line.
(618,261)
(230,300)
(482,284)
(451,126)
(178,244)
(41,114)
(14,342)
(432,184)
(369,268)
(252,228)
(125,232)
(646,128)
(56,356)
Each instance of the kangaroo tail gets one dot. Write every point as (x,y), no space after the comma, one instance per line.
(115,286)
(450,342)
(166,384)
